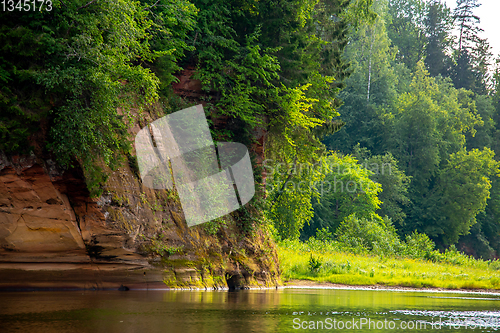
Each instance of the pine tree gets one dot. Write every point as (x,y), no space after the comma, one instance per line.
(467,23)
(472,55)
(481,61)
(463,75)
(438,25)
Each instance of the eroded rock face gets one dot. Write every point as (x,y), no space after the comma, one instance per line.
(46,211)
(35,216)
(52,234)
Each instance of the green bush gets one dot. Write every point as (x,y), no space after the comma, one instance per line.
(376,235)
(314,264)
(494,264)
(324,234)
(418,246)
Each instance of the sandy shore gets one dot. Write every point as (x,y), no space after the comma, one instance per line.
(327,285)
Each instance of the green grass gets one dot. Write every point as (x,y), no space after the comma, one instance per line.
(365,269)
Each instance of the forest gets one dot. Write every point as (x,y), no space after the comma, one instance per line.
(415,156)
(382,118)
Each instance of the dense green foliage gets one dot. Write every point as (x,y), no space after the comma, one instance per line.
(76,71)
(332,262)
(378,123)
(79,74)
(347,189)
(424,99)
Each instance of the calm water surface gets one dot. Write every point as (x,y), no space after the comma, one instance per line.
(284,310)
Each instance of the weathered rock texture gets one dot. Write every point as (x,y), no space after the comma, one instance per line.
(53,235)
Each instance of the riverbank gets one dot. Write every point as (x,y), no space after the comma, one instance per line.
(308,284)
(308,266)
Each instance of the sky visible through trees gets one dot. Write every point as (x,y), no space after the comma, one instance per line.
(489,12)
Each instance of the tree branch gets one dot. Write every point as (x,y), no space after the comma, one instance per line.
(154,4)
(88,4)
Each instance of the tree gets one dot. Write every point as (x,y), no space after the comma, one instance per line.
(481,61)
(172,21)
(438,27)
(277,66)
(485,133)
(463,188)
(370,86)
(495,99)
(467,23)
(70,69)
(473,53)
(429,124)
(394,182)
(484,237)
(345,190)
(406,30)
(463,75)
(374,234)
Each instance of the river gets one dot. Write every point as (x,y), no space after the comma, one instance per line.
(282,310)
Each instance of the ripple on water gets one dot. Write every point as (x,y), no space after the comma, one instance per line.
(471,319)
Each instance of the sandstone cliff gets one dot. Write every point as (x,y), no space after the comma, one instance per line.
(54,235)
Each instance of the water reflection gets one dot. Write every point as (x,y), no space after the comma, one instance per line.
(285,310)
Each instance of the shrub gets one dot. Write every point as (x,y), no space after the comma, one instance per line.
(324,234)
(418,246)
(376,235)
(314,264)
